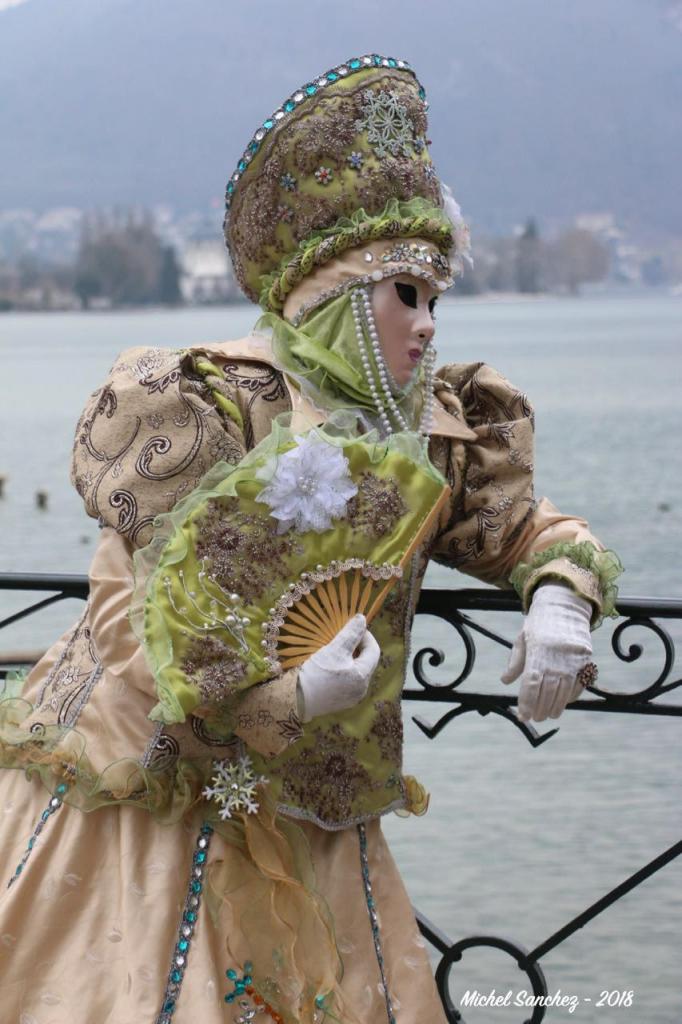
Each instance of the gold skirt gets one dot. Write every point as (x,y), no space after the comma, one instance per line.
(90,927)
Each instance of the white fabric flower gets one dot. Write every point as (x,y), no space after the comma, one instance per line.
(311,485)
(461,240)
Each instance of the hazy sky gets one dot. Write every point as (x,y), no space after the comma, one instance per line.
(538,107)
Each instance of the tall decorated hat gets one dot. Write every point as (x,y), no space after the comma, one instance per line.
(341,172)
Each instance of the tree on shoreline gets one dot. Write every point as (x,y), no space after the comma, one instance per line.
(122,259)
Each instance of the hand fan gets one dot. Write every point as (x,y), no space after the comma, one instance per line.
(266,564)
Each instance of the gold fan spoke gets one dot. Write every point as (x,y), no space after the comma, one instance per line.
(311,615)
(314,603)
(334,598)
(299,638)
(301,629)
(300,615)
(379,599)
(355,592)
(292,662)
(326,601)
(365,595)
(343,595)
(326,627)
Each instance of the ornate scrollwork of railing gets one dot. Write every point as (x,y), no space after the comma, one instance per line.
(455,607)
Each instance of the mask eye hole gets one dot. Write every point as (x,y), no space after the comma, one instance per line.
(432,303)
(407,293)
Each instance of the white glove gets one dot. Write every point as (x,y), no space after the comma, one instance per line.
(552,647)
(332,679)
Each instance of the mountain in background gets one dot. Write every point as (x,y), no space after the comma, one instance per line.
(550,109)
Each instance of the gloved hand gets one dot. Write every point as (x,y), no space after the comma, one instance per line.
(552,647)
(332,679)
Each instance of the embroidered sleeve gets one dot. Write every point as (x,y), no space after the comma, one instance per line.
(266,717)
(495,523)
(147,436)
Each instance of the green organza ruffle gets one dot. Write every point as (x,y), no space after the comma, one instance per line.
(605,565)
(57,754)
(407,219)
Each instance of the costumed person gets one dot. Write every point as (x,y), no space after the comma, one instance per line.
(193,831)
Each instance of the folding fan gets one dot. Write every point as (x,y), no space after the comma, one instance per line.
(327,598)
(252,580)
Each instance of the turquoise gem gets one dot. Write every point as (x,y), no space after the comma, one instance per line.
(392,63)
(229,998)
(422,94)
(196,887)
(253,146)
(20,868)
(354,64)
(176,976)
(332,76)
(289,106)
(183,945)
(241,166)
(376,58)
(311,90)
(169,1006)
(45,815)
(248,979)
(232,974)
(207,830)
(268,124)
(200,857)
(239,986)
(61,788)
(31,842)
(190,916)
(248,967)
(319,1001)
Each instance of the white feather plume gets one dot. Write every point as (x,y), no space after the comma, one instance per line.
(461,240)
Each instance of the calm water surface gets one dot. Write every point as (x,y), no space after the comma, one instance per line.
(517,840)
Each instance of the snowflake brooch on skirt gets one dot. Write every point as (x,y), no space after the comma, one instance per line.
(234,787)
(311,485)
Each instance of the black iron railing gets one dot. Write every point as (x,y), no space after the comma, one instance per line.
(455,607)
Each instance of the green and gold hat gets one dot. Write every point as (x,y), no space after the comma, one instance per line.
(342,165)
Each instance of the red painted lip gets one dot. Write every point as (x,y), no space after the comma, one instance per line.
(415,354)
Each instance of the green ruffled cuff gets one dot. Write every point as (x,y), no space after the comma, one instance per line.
(589,572)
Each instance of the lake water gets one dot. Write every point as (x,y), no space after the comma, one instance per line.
(517,840)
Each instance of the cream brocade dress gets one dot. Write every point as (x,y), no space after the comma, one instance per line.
(106,916)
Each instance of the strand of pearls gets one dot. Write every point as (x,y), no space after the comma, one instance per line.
(382,369)
(361,305)
(366,366)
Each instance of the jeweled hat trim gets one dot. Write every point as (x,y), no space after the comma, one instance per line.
(350,67)
(364,279)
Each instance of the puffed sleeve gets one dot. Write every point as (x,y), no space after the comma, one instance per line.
(496,530)
(145,439)
(147,436)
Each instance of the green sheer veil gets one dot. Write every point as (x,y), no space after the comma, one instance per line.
(322,356)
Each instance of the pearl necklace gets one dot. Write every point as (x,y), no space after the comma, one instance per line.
(363,316)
